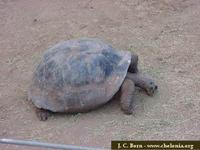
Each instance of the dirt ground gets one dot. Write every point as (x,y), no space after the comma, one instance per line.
(164,33)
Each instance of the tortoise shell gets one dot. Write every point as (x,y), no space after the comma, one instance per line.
(78,75)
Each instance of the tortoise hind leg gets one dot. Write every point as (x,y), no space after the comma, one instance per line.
(42,114)
(133,68)
(126,99)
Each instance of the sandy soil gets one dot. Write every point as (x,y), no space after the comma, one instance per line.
(166,36)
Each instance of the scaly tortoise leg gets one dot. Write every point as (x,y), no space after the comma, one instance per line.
(42,114)
(126,99)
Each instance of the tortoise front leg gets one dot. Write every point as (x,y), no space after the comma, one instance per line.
(143,82)
(133,68)
(126,99)
(42,114)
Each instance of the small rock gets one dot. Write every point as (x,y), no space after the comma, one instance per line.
(35,20)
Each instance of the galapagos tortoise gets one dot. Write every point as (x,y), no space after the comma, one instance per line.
(81,74)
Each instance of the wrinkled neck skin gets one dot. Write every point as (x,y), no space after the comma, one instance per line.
(139,79)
